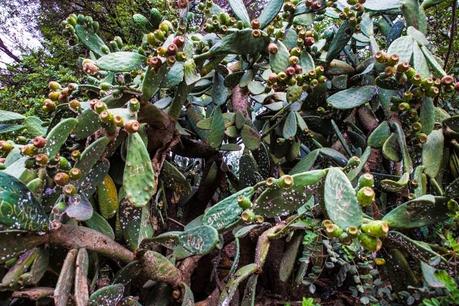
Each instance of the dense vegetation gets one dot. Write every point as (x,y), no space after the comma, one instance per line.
(279,152)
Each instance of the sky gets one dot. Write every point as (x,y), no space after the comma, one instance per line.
(19,32)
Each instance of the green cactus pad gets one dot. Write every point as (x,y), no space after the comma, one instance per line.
(98,223)
(340,200)
(175,180)
(232,285)
(421,211)
(276,201)
(107,296)
(432,153)
(19,209)
(152,81)
(379,135)
(91,155)
(13,243)
(135,224)
(279,61)
(58,135)
(121,61)
(352,97)
(88,123)
(107,196)
(226,212)
(139,178)
(270,12)
(91,40)
(240,42)
(199,240)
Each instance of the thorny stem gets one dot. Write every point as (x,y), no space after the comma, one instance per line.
(451,34)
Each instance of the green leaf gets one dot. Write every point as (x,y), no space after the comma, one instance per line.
(279,61)
(19,210)
(421,211)
(290,126)
(239,10)
(250,137)
(121,61)
(58,135)
(6,116)
(217,131)
(138,178)
(340,200)
(432,153)
(352,97)
(340,40)
(271,10)
(91,40)
(226,212)
(100,224)
(403,47)
(378,5)
(92,154)
(379,135)
(107,296)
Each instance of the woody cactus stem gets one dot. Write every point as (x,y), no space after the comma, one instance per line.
(75,237)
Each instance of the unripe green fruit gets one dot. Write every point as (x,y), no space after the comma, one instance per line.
(165,26)
(377,228)
(286,181)
(244,202)
(151,40)
(333,230)
(64,163)
(370,243)
(54,85)
(134,105)
(248,215)
(366,180)
(365,196)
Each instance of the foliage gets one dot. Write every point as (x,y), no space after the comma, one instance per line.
(339,121)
